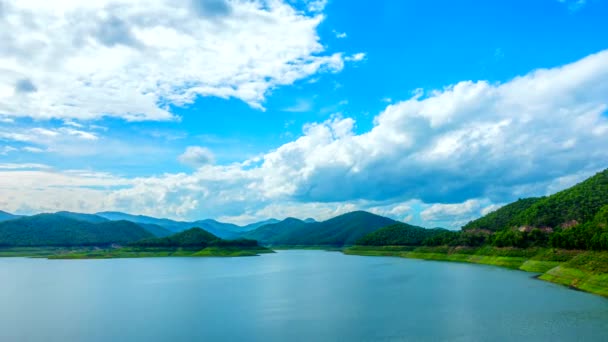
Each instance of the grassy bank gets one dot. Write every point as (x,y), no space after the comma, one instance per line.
(39,252)
(138,252)
(583,270)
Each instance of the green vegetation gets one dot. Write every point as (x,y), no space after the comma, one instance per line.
(4,216)
(220,229)
(563,236)
(37,252)
(567,208)
(503,217)
(583,270)
(342,230)
(194,242)
(58,230)
(154,252)
(399,234)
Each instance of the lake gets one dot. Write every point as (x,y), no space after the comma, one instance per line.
(287,296)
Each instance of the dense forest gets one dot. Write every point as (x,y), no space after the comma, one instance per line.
(575,218)
(59,230)
(193,238)
(339,231)
(399,234)
(503,217)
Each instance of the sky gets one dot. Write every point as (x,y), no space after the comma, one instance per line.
(429,112)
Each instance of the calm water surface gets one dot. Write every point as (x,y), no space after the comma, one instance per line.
(287,296)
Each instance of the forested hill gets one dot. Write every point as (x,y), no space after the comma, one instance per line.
(220,229)
(578,204)
(503,217)
(399,234)
(338,231)
(4,216)
(58,230)
(193,238)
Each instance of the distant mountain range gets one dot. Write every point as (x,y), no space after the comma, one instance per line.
(70,228)
(4,216)
(338,231)
(61,230)
(220,229)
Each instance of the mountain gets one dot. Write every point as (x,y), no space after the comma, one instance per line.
(155,229)
(193,238)
(59,230)
(82,217)
(4,216)
(503,217)
(221,229)
(399,234)
(277,232)
(310,220)
(256,225)
(338,231)
(175,226)
(575,205)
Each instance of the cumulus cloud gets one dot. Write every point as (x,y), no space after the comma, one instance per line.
(197,156)
(357,57)
(133,59)
(340,35)
(456,150)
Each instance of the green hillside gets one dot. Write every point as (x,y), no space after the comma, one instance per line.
(58,230)
(220,229)
(577,204)
(191,238)
(82,217)
(4,216)
(399,234)
(503,217)
(280,231)
(155,229)
(338,231)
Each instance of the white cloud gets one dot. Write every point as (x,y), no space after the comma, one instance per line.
(197,156)
(357,57)
(340,35)
(448,212)
(33,149)
(457,150)
(316,5)
(301,106)
(132,59)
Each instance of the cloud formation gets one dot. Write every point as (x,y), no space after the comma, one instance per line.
(449,154)
(133,59)
(196,156)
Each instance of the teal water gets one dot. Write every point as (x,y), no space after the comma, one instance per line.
(287,296)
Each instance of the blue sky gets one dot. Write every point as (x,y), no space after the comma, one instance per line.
(431,112)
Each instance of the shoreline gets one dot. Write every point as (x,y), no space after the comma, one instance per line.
(579,270)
